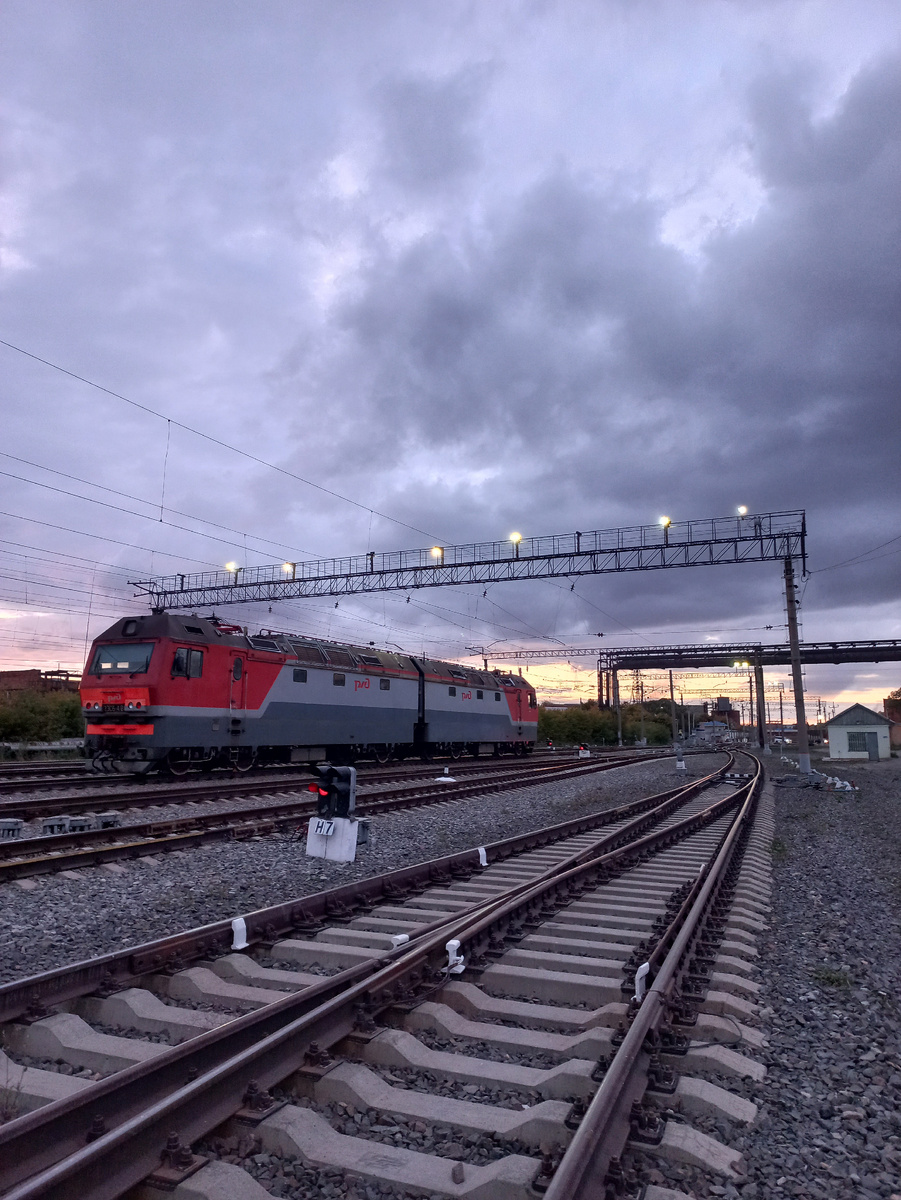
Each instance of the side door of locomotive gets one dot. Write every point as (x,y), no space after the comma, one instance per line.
(516,706)
(237,691)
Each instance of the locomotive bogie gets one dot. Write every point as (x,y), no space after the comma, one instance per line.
(193,693)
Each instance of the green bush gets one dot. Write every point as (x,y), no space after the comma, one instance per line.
(597,726)
(41,717)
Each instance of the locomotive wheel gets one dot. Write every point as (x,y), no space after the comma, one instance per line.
(245,761)
(177,766)
(456,751)
(382,755)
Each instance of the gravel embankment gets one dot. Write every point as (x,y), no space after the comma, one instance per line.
(829,1126)
(53,920)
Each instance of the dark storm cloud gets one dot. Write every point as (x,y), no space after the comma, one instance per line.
(431,265)
(563,332)
(428,136)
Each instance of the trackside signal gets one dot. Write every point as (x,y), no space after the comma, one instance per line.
(345,786)
(325,789)
(335,789)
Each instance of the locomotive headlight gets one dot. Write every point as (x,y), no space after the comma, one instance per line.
(96,705)
(130,705)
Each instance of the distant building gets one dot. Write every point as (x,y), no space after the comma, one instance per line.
(12,682)
(858,732)
(725,712)
(892,709)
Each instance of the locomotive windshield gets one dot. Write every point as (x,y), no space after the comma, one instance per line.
(120,660)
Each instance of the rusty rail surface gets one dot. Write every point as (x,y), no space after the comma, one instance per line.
(585,1171)
(44,854)
(269,1044)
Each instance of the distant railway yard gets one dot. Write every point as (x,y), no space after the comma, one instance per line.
(466,1027)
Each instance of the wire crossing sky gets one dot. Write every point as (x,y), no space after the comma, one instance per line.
(297,280)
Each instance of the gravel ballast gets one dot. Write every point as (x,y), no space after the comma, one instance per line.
(829,1125)
(51,921)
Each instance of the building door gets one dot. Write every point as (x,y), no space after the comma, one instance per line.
(873,746)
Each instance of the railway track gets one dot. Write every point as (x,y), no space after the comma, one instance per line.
(29,810)
(22,858)
(22,778)
(465,1027)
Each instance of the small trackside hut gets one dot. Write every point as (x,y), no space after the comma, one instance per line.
(859,733)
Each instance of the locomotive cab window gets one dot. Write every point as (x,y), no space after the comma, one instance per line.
(533,700)
(121,660)
(187,663)
(300,675)
(480,695)
(385,685)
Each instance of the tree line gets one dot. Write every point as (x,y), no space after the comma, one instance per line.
(40,716)
(598,726)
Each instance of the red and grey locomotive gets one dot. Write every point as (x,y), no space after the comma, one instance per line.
(187,692)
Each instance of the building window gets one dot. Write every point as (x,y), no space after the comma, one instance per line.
(338,680)
(300,675)
(452,691)
(857,741)
(385,685)
(480,695)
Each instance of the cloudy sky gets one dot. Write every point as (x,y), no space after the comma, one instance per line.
(365,275)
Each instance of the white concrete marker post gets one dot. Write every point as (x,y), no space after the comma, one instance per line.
(334,838)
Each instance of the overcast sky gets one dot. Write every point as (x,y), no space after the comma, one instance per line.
(475,267)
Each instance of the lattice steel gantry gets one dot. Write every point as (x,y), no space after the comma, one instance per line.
(718,541)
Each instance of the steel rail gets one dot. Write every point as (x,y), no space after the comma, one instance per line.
(30,997)
(213,789)
(86,848)
(604,1129)
(113,1161)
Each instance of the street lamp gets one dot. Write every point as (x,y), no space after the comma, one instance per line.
(742,510)
(290,569)
(666,522)
(516,538)
(437,553)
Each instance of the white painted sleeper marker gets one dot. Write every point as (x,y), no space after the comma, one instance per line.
(239,934)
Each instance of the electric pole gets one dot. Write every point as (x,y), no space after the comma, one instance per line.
(791,607)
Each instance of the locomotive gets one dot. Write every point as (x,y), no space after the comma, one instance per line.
(182,693)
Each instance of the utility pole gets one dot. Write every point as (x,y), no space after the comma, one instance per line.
(672,707)
(762,740)
(641,707)
(619,709)
(791,608)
